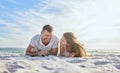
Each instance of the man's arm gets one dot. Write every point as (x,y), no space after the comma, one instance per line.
(31,50)
(54,51)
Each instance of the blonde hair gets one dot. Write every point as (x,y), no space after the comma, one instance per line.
(75,46)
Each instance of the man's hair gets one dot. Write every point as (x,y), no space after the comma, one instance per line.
(47,27)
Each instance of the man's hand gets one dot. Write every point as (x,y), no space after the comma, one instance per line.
(33,52)
(43,53)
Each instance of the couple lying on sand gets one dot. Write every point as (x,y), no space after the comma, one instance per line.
(45,44)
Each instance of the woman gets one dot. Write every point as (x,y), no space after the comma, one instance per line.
(71,47)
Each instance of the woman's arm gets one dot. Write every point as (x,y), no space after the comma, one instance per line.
(61,49)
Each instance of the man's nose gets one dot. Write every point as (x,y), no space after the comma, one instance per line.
(49,37)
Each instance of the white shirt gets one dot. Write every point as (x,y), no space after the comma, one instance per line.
(37,43)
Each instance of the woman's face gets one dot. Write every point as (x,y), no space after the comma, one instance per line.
(63,41)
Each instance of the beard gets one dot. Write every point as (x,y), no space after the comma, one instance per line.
(46,41)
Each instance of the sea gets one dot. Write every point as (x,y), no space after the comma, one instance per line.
(12,51)
(21,51)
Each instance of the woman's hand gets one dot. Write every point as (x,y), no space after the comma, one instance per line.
(67,54)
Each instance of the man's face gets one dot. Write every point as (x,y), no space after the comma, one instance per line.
(46,36)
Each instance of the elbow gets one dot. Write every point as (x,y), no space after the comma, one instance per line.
(27,53)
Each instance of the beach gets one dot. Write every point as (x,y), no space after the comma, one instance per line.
(56,64)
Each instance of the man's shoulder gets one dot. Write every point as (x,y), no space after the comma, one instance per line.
(55,37)
(37,36)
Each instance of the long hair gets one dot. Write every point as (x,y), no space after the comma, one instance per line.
(75,46)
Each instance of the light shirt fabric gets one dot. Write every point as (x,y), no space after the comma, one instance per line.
(37,43)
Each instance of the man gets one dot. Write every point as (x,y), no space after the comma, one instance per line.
(43,44)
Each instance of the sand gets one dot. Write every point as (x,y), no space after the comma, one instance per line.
(55,64)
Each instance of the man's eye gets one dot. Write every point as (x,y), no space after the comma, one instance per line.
(46,35)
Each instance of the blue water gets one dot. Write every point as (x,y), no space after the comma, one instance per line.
(92,51)
(12,50)
(104,51)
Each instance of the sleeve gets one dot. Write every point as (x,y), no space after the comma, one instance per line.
(55,44)
(33,41)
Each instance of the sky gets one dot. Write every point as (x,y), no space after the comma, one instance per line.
(96,23)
